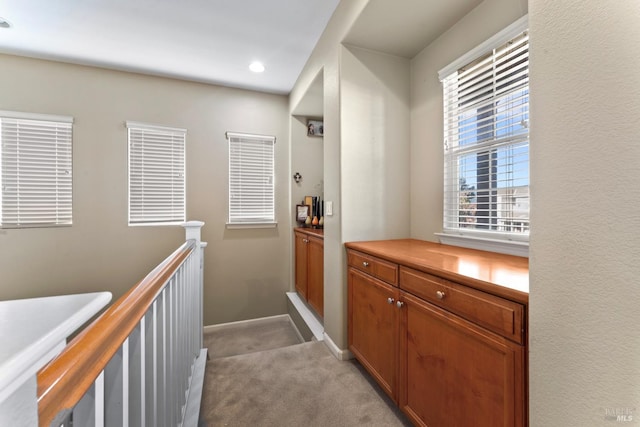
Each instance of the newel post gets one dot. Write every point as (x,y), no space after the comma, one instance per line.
(193,231)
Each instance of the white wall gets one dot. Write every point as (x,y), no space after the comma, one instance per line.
(374,141)
(427,184)
(326,56)
(585,166)
(246,271)
(366,151)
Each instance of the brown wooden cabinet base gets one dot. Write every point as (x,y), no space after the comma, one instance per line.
(456,373)
(445,348)
(309,267)
(372,328)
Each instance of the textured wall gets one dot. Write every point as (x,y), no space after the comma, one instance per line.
(585,166)
(374,94)
(246,271)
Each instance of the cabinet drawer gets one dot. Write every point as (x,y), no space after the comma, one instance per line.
(496,314)
(376,267)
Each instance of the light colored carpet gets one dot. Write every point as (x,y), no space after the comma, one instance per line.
(299,385)
(250,337)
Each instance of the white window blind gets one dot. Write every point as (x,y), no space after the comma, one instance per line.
(35,170)
(486,142)
(156,174)
(251,179)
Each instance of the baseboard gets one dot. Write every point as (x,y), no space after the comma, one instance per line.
(337,352)
(231,325)
(309,318)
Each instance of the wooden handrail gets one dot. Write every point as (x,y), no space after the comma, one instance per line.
(63,382)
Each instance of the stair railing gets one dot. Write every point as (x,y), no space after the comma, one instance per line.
(141,363)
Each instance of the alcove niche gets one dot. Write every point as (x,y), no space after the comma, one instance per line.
(307,165)
(307,151)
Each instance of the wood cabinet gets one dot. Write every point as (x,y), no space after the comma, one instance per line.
(302,264)
(456,373)
(449,349)
(372,328)
(309,267)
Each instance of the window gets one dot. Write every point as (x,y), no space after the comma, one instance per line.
(486,139)
(35,170)
(156,174)
(251,180)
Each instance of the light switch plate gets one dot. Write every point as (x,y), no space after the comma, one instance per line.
(329,208)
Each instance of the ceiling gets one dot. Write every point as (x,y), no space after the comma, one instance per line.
(405,27)
(214,41)
(210,41)
(399,27)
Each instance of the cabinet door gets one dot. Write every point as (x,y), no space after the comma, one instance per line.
(301,264)
(373,328)
(315,278)
(454,373)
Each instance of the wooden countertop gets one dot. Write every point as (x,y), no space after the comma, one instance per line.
(479,269)
(318,232)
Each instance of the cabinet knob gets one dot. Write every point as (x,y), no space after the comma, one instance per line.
(390,300)
(305,240)
(365,263)
(440,294)
(399,304)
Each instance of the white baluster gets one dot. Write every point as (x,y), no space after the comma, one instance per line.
(149,372)
(155,347)
(99,400)
(125,351)
(171,347)
(180,349)
(135,373)
(163,361)
(143,370)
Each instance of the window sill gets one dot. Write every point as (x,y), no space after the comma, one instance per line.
(25,226)
(508,247)
(154,224)
(251,225)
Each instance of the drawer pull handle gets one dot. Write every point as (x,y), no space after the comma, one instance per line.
(390,300)
(440,294)
(365,263)
(399,304)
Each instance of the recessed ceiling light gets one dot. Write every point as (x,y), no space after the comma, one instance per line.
(4,23)
(256,67)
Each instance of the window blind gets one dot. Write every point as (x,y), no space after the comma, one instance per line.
(251,179)
(156,174)
(486,142)
(36,170)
